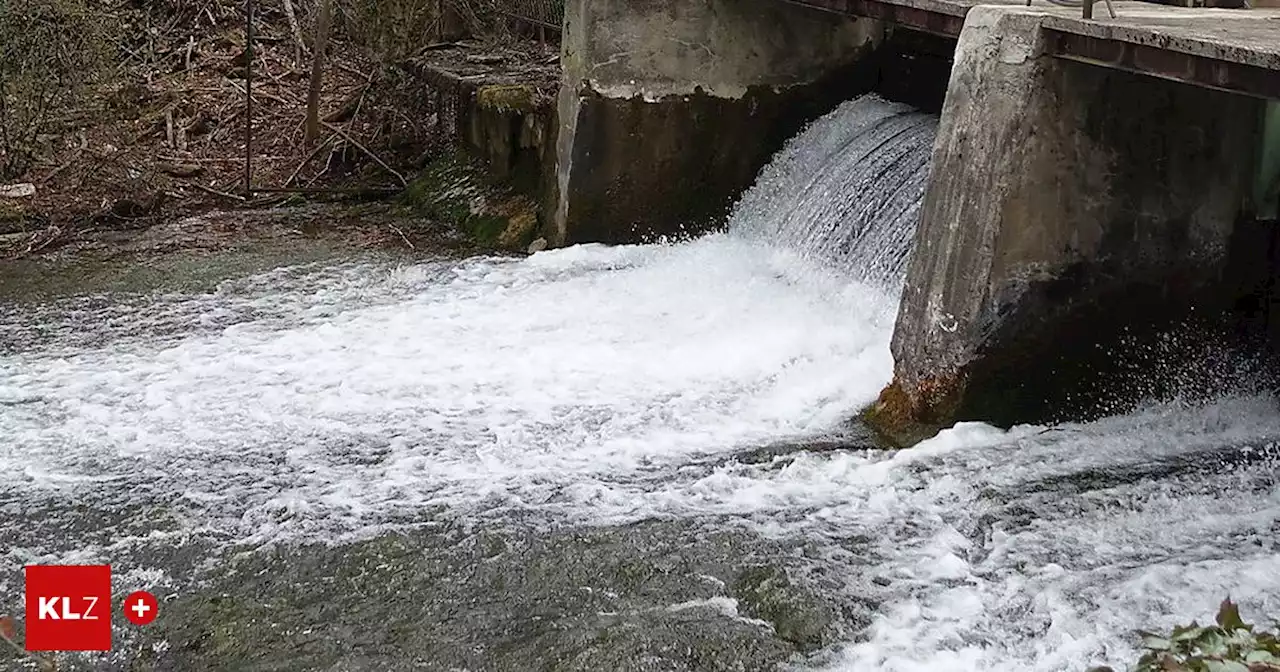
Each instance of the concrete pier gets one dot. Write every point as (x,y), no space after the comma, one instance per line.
(1072,209)
(670,107)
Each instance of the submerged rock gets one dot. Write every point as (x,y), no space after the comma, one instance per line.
(650,596)
(796,614)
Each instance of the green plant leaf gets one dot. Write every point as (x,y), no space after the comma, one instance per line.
(1242,639)
(1186,632)
(1260,656)
(1229,616)
(1225,666)
(1155,642)
(1212,642)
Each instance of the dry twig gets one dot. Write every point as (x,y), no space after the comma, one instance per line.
(346,136)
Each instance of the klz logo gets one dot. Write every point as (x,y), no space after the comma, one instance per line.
(69,608)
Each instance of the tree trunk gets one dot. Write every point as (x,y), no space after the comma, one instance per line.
(317,73)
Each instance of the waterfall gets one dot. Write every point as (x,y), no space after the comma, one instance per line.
(847,190)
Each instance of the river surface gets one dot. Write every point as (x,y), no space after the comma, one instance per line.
(595,458)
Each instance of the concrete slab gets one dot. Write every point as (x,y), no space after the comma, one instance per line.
(1244,36)
(1249,37)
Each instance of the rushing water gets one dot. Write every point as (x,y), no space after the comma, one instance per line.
(595,387)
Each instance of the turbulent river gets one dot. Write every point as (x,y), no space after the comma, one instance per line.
(638,457)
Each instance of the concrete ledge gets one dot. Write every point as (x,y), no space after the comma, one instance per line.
(1245,37)
(1167,64)
(1249,37)
(501,109)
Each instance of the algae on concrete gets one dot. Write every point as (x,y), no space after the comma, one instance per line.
(508,97)
(455,189)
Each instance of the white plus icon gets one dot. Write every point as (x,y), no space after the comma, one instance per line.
(141,609)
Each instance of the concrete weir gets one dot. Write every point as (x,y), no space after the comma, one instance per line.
(670,107)
(1094,182)
(1073,210)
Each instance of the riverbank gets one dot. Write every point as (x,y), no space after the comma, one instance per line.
(175,123)
(195,253)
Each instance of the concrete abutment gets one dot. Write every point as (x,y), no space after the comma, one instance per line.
(1073,212)
(669,108)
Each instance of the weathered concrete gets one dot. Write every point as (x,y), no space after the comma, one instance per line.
(501,111)
(1235,50)
(1070,207)
(670,107)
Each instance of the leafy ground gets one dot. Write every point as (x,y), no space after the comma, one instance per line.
(162,134)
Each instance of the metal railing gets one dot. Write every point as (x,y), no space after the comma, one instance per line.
(547,14)
(1085,5)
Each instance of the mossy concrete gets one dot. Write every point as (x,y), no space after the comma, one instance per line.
(459,190)
(507,98)
(502,114)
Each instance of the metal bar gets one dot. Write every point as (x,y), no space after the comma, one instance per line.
(1167,64)
(937,23)
(1088,10)
(248,98)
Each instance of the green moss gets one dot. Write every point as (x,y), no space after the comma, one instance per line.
(456,190)
(484,229)
(507,97)
(767,593)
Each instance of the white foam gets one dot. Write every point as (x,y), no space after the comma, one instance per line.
(997,563)
(726,606)
(544,383)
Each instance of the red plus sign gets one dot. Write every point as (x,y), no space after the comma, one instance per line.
(141,607)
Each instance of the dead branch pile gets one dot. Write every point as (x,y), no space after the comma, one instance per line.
(165,131)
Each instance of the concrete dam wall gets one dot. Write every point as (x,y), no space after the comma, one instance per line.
(1093,184)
